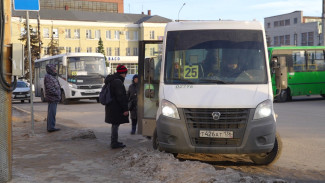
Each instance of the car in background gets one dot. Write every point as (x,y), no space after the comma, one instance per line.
(22,92)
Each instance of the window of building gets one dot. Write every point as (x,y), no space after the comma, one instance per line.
(276,24)
(46,33)
(46,50)
(269,25)
(152,34)
(135,51)
(22,31)
(117,51)
(109,51)
(295,38)
(304,39)
(88,34)
(89,50)
(68,49)
(116,34)
(67,33)
(77,33)
(77,49)
(135,35)
(108,34)
(55,33)
(128,51)
(295,20)
(97,34)
(282,23)
(276,41)
(152,51)
(287,22)
(287,39)
(281,40)
(127,35)
(310,38)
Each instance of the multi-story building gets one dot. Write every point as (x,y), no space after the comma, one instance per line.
(79,31)
(113,6)
(293,29)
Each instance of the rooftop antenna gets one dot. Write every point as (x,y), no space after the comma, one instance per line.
(180,11)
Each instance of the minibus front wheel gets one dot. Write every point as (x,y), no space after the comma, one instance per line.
(270,157)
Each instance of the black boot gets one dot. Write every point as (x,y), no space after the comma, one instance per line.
(114,136)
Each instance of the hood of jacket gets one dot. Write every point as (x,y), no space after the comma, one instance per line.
(111,77)
(50,69)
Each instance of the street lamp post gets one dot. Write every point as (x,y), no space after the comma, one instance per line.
(180,11)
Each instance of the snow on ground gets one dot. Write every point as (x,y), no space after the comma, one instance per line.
(149,165)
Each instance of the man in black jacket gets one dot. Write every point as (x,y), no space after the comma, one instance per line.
(116,112)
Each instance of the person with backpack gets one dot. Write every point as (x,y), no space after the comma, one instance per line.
(116,112)
(133,102)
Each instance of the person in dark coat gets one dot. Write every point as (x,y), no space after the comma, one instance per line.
(117,112)
(53,96)
(133,102)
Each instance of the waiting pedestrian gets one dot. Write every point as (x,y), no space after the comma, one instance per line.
(52,95)
(117,112)
(133,102)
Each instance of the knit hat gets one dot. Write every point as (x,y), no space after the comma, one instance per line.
(121,69)
(135,76)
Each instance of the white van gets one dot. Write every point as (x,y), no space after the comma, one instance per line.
(213,93)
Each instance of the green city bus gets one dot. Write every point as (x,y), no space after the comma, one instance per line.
(297,70)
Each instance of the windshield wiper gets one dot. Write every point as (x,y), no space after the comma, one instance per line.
(214,81)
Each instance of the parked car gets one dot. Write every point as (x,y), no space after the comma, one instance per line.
(22,92)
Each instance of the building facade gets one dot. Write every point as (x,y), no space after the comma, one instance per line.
(293,29)
(113,6)
(77,31)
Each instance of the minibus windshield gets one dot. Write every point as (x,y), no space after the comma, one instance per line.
(215,57)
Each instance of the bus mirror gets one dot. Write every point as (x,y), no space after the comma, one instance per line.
(64,61)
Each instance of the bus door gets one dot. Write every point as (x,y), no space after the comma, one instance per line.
(150,53)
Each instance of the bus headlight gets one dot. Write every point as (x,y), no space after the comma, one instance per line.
(263,109)
(169,109)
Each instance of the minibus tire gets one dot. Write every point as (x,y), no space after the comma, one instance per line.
(42,96)
(323,95)
(283,96)
(271,157)
(63,99)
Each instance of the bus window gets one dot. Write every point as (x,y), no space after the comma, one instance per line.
(316,60)
(299,60)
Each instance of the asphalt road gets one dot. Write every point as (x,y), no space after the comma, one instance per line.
(301,124)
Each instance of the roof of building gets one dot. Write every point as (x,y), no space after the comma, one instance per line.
(73,15)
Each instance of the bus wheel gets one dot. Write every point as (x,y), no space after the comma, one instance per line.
(323,95)
(283,96)
(42,96)
(63,99)
(270,157)
(155,143)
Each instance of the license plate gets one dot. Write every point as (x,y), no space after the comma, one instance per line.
(20,95)
(89,91)
(216,134)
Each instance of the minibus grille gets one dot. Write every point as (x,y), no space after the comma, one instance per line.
(234,120)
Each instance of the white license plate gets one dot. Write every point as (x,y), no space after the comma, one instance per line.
(20,95)
(89,91)
(216,134)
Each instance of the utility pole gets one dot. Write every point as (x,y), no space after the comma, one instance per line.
(323,24)
(5,95)
(39,34)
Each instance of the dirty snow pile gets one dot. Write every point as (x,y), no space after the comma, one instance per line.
(152,166)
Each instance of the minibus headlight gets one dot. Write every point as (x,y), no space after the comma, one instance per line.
(73,86)
(169,109)
(263,109)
